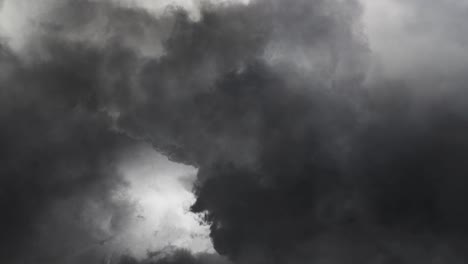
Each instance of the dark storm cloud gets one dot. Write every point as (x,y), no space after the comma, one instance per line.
(298,160)
(269,135)
(57,151)
(286,157)
(188,91)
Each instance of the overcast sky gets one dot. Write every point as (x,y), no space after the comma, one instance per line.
(264,131)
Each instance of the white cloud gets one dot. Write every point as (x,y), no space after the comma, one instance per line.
(162,190)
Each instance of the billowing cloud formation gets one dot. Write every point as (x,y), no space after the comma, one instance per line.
(53,148)
(301,158)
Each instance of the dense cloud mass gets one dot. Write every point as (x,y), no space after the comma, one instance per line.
(57,151)
(306,151)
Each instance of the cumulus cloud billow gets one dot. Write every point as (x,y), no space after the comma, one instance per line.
(313,141)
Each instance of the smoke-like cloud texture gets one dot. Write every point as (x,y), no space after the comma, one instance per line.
(313,142)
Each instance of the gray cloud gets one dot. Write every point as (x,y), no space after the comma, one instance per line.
(300,159)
